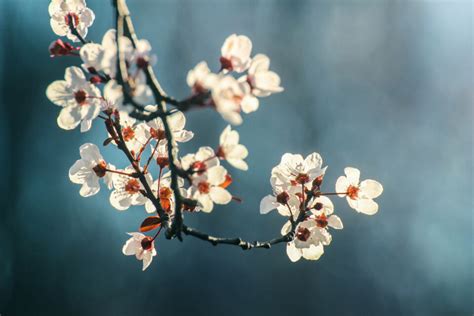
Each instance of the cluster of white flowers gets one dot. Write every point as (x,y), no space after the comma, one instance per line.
(229,95)
(296,184)
(92,91)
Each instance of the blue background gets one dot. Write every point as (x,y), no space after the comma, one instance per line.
(385,86)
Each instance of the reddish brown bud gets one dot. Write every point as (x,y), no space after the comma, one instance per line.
(60,48)
(142,62)
(303,233)
(101,169)
(95,80)
(226,63)
(282,198)
(318,206)
(147,243)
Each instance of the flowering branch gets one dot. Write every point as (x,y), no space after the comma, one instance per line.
(117,84)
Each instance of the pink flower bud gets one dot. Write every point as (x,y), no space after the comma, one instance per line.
(60,48)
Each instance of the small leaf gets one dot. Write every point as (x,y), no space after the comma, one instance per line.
(150,223)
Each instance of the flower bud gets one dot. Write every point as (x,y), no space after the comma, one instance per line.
(147,243)
(282,198)
(60,48)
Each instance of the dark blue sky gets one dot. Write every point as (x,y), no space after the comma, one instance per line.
(385,86)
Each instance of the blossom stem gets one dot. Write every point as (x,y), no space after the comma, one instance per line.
(119,172)
(151,156)
(143,148)
(333,193)
(75,32)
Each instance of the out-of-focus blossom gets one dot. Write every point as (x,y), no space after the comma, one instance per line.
(230,149)
(64,12)
(235,53)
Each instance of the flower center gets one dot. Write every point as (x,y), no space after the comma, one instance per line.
(220,152)
(353,192)
(142,62)
(162,161)
(71,17)
(158,134)
(204,187)
(322,221)
(128,133)
(303,233)
(302,178)
(226,63)
(282,198)
(165,193)
(100,169)
(147,243)
(199,166)
(80,96)
(132,186)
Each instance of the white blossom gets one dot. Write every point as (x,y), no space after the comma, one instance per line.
(63,11)
(176,123)
(140,246)
(230,98)
(296,170)
(235,53)
(208,188)
(127,190)
(89,169)
(261,80)
(201,161)
(200,79)
(231,150)
(359,195)
(164,193)
(79,99)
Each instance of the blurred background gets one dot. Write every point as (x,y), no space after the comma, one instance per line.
(385,86)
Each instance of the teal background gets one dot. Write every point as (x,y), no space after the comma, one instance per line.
(385,86)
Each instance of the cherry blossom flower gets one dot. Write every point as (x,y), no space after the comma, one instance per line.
(287,203)
(89,169)
(80,100)
(92,55)
(204,159)
(162,189)
(208,188)
(294,170)
(230,98)
(140,246)
(142,56)
(62,12)
(261,80)
(200,79)
(322,209)
(235,53)
(176,122)
(230,149)
(306,243)
(141,93)
(127,190)
(359,195)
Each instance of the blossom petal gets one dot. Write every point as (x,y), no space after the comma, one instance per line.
(267,204)
(313,252)
(216,175)
(342,184)
(220,195)
(371,189)
(353,175)
(293,253)
(335,222)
